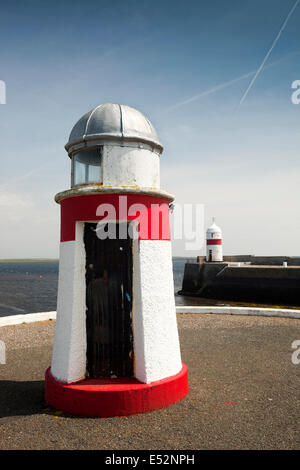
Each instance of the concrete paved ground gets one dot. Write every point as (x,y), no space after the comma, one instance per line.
(244,392)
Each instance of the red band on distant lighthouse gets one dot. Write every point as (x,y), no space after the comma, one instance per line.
(151,212)
(214,242)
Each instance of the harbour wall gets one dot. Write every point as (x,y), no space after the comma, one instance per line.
(258,260)
(249,283)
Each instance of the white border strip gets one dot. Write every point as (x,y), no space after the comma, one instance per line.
(261,312)
(27,318)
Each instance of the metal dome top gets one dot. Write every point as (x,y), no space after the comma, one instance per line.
(113,123)
(213,228)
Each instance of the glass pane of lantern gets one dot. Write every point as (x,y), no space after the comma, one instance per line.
(94,174)
(87,167)
(79,173)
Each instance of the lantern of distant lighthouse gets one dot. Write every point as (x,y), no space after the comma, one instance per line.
(214,249)
(116,348)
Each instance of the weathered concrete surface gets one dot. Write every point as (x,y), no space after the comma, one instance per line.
(191,277)
(244,392)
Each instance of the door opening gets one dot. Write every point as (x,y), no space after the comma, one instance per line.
(109,305)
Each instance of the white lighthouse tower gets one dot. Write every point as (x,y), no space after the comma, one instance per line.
(214,248)
(116,348)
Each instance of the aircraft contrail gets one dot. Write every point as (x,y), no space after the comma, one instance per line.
(209,91)
(226,84)
(268,53)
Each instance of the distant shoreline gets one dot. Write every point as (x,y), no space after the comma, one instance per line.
(30,260)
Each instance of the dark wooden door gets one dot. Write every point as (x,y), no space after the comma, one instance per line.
(109,305)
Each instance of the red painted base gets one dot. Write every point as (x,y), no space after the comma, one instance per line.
(115,397)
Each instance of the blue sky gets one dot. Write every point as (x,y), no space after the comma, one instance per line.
(170,60)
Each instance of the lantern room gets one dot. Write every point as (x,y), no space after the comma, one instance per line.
(116,348)
(114,145)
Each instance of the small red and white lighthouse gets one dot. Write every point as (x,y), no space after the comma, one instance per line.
(214,248)
(116,349)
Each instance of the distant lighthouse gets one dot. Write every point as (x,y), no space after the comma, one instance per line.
(214,249)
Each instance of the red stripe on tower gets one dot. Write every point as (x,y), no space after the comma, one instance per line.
(214,242)
(151,212)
